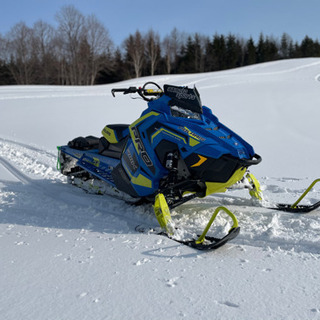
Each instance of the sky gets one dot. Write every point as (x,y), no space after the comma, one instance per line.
(244,18)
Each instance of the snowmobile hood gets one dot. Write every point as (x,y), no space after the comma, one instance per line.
(209,136)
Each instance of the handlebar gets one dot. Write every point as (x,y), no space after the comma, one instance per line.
(124,90)
(142,91)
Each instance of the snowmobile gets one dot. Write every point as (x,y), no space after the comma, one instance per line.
(177,150)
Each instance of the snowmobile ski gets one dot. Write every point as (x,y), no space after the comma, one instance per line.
(203,242)
(299,208)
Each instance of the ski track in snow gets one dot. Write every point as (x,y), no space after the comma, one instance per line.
(250,76)
(58,199)
(44,93)
(66,207)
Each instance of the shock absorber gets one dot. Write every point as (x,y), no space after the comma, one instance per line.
(172,166)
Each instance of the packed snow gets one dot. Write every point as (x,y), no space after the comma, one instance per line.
(67,254)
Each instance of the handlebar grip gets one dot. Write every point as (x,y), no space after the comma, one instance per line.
(125,90)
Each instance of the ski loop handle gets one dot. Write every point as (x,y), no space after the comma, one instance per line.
(299,208)
(216,212)
(305,193)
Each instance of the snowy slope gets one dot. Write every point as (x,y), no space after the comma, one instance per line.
(67,255)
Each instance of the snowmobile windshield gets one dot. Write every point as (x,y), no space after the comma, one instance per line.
(184,102)
(184,113)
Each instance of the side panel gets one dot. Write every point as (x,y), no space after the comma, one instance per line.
(94,163)
(138,160)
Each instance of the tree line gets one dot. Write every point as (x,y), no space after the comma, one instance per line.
(80,51)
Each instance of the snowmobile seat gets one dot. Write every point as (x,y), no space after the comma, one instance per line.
(87,143)
(113,140)
(113,150)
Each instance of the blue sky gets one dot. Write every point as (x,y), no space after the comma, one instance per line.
(121,17)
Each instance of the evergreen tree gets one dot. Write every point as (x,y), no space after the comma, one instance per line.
(192,59)
(210,63)
(317,48)
(250,52)
(261,50)
(285,45)
(307,47)
(187,57)
(233,52)
(219,51)
(271,50)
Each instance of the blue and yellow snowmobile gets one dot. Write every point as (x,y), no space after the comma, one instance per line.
(176,151)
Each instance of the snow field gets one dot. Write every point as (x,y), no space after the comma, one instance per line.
(66,254)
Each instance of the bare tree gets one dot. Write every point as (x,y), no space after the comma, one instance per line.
(100,46)
(61,61)
(172,44)
(2,47)
(43,43)
(71,36)
(84,46)
(153,51)
(134,46)
(19,53)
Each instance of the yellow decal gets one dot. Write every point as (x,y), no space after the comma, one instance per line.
(191,134)
(200,162)
(193,142)
(194,138)
(109,134)
(140,180)
(95,161)
(167,132)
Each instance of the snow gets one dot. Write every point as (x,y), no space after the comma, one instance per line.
(66,254)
